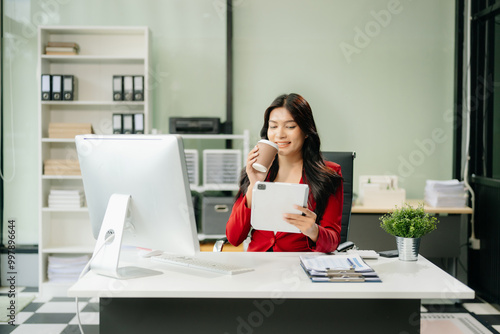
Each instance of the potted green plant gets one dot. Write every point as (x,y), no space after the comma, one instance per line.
(408,224)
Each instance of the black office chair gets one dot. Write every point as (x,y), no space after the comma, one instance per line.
(346,162)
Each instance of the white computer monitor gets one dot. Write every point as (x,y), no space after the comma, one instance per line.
(137,191)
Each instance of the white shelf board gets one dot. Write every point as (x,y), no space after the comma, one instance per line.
(68,250)
(211,136)
(58,140)
(47,209)
(93,103)
(215,187)
(54,289)
(94,59)
(202,236)
(61,177)
(95,30)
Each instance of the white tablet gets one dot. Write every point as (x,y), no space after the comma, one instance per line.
(270,200)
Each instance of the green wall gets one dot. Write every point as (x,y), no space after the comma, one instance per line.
(384,90)
(379,85)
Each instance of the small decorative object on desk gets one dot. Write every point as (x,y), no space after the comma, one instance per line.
(408,225)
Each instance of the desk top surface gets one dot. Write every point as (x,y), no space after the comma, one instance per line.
(276,275)
(413,202)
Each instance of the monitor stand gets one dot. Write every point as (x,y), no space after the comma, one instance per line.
(107,253)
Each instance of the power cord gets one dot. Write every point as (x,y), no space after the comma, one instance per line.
(474,242)
(84,271)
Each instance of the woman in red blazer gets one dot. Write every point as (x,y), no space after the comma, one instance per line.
(289,123)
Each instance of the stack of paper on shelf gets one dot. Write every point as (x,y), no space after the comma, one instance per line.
(65,269)
(69,130)
(62,48)
(66,198)
(337,268)
(449,193)
(61,167)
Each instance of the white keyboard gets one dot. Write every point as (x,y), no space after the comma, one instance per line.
(203,264)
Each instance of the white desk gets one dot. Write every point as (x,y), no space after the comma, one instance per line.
(445,243)
(276,297)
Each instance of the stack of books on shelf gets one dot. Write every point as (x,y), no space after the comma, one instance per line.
(338,268)
(66,198)
(65,269)
(450,193)
(69,130)
(62,49)
(61,167)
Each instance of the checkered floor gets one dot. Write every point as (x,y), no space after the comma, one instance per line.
(54,316)
(486,314)
(58,315)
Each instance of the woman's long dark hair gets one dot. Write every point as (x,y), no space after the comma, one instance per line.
(322,181)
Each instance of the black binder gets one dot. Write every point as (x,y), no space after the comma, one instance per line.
(117,123)
(128,123)
(128,88)
(139,88)
(117,88)
(139,124)
(68,87)
(57,87)
(46,87)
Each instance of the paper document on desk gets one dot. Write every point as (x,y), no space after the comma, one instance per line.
(334,262)
(337,268)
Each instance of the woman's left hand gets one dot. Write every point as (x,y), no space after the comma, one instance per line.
(305,222)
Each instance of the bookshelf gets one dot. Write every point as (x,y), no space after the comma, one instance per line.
(103,52)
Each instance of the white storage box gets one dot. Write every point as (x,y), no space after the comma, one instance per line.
(192,163)
(380,191)
(221,169)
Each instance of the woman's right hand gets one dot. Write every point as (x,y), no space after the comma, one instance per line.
(253,174)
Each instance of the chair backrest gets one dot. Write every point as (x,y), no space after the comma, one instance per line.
(346,162)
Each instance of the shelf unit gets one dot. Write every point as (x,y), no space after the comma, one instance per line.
(244,139)
(104,52)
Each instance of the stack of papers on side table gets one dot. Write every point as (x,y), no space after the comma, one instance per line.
(337,268)
(66,198)
(66,268)
(450,193)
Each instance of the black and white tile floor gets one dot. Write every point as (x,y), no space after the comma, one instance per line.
(54,316)
(58,315)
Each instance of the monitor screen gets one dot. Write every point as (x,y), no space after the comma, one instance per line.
(151,169)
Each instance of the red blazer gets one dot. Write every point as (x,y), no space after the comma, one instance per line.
(238,227)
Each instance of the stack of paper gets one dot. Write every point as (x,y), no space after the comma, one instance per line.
(337,268)
(66,198)
(450,193)
(63,269)
(61,167)
(69,130)
(62,48)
